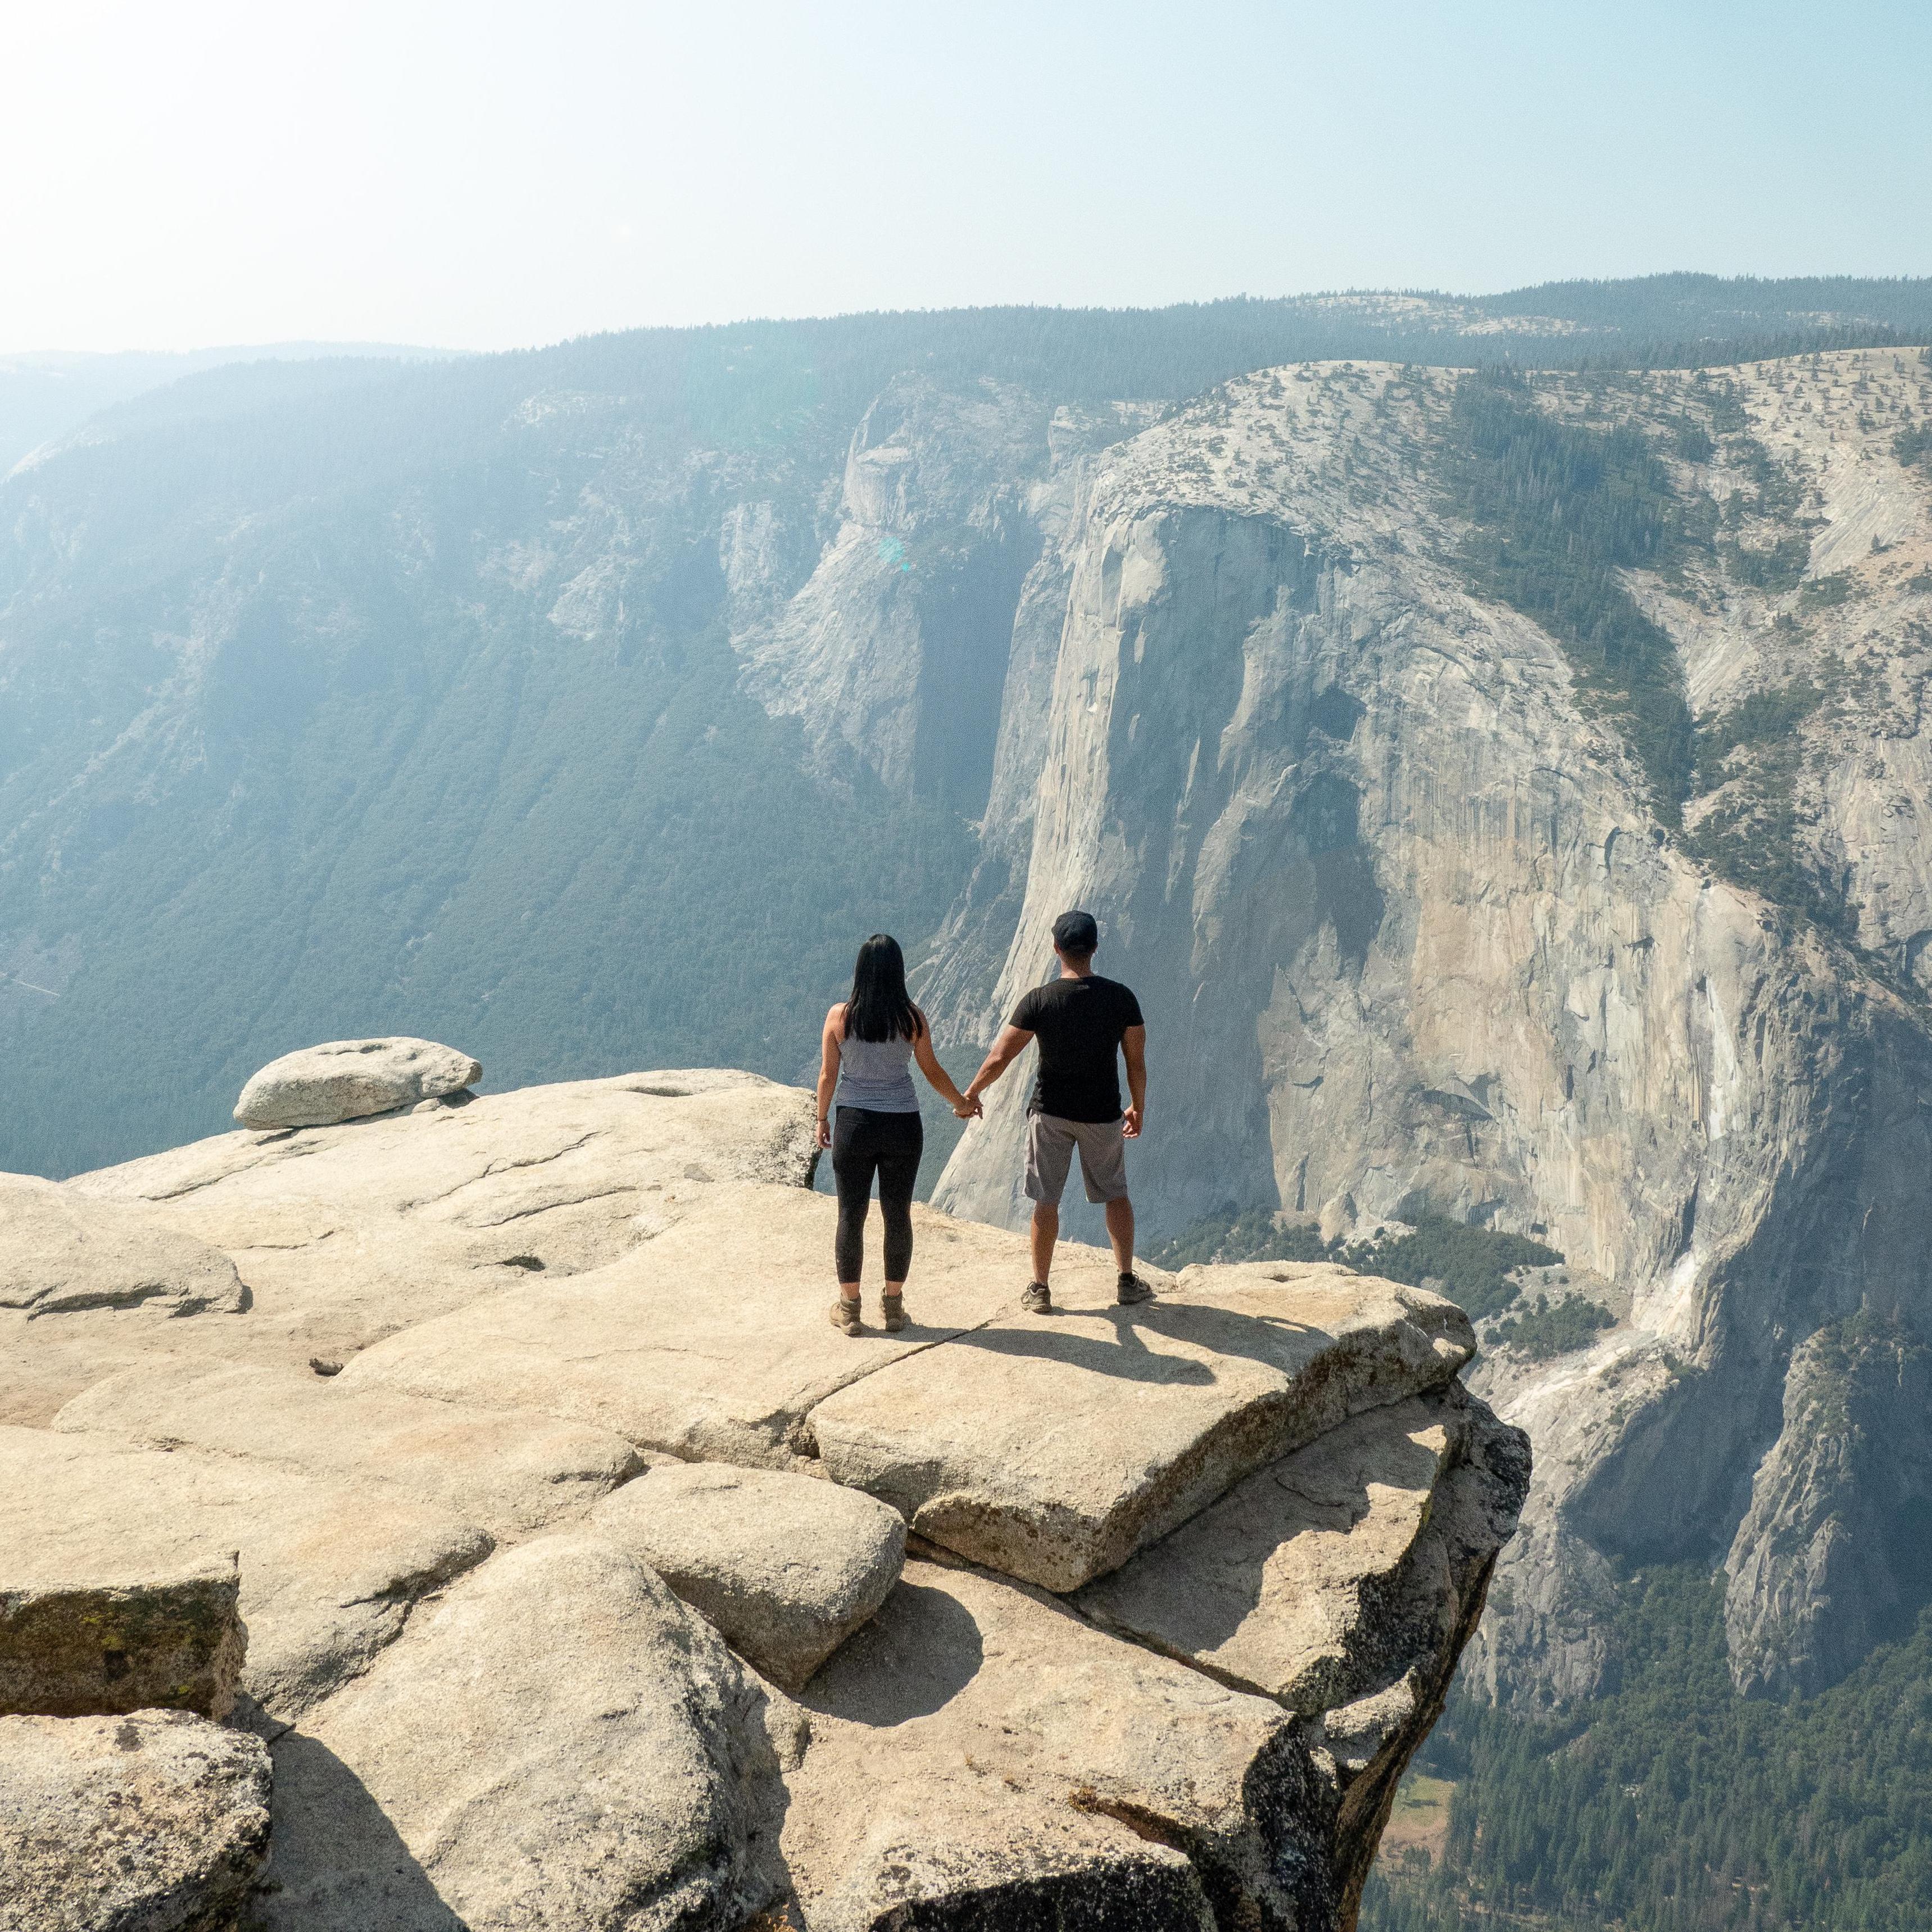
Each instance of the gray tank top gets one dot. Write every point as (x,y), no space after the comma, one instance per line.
(877,1075)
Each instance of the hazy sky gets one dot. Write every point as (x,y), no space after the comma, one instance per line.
(483,175)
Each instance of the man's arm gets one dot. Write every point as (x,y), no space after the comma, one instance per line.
(1133,1045)
(1013,1041)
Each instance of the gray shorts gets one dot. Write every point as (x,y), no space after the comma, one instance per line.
(1050,1145)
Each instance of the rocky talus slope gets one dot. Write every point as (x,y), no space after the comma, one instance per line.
(468,1517)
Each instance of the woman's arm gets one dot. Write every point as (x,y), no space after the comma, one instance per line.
(1013,1041)
(828,1070)
(942,1081)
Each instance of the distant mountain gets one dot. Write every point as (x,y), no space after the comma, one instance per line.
(44,396)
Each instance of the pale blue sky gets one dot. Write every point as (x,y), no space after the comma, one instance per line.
(481,175)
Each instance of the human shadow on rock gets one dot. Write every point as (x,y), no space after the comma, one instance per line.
(1269,1339)
(336,1864)
(913,1658)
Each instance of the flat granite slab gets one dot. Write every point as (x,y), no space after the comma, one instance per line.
(1284,1586)
(712,1341)
(345,1233)
(329,1573)
(512,1471)
(1052,1446)
(64,1253)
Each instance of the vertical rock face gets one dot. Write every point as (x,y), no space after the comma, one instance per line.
(75,1648)
(1412,931)
(1833,1555)
(882,653)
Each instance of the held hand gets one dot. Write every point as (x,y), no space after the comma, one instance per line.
(969,1107)
(824,1132)
(1130,1124)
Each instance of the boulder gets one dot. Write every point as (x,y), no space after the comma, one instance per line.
(329,1572)
(1284,1586)
(785,1568)
(982,1756)
(155,1822)
(62,1251)
(1053,1447)
(710,1343)
(350,1079)
(559,1742)
(77,1648)
(511,1470)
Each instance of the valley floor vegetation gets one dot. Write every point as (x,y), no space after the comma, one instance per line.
(1672,1805)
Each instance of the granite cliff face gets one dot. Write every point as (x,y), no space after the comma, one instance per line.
(589,1577)
(1414,931)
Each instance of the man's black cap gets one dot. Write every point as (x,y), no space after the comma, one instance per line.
(1076,933)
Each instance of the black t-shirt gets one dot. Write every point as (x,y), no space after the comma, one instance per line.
(1078,1023)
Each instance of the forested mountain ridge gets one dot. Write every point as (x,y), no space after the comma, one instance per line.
(308,703)
(46,396)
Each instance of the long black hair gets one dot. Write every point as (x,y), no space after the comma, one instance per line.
(880,1008)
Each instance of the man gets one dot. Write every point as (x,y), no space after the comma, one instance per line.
(1082,1021)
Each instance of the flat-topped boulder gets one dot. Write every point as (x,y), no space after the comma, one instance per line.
(350,1079)
(784,1566)
(328,1572)
(76,1646)
(1024,1766)
(560,1741)
(1052,1446)
(511,1470)
(156,1822)
(62,1253)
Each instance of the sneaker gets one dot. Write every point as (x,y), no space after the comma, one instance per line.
(845,1315)
(1132,1289)
(1038,1299)
(891,1307)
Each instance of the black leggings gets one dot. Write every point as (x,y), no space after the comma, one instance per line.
(864,1143)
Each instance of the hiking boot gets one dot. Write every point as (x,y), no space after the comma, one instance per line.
(845,1315)
(892,1307)
(1038,1299)
(1132,1289)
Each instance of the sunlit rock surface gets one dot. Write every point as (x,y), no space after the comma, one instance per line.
(585,1475)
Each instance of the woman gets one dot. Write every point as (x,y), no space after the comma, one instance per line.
(869,1039)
